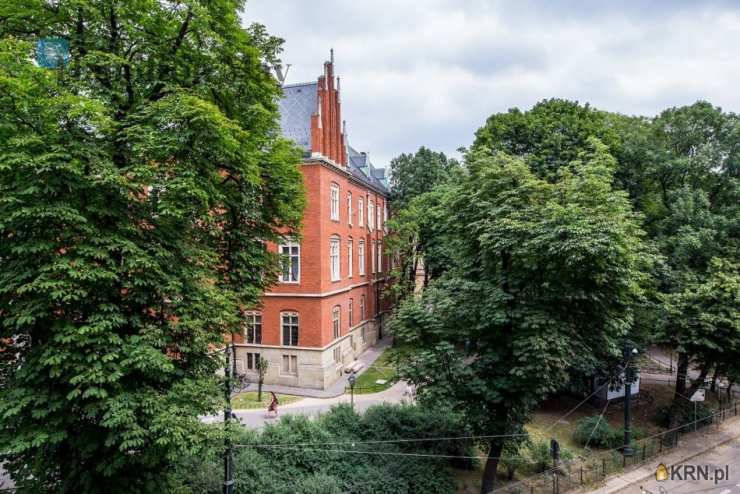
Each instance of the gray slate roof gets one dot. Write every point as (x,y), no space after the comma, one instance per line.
(298,103)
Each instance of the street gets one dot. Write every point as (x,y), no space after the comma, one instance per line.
(718,458)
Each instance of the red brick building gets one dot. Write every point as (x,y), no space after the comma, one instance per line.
(327,305)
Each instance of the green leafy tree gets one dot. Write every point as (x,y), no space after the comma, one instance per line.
(262,365)
(543,280)
(412,177)
(138,186)
(549,136)
(681,170)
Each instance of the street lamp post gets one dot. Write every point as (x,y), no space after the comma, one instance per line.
(629,352)
(352,379)
(228,466)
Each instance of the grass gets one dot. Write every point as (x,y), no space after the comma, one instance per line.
(547,424)
(248,400)
(382,368)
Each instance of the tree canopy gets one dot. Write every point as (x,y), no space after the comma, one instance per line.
(139,184)
(544,279)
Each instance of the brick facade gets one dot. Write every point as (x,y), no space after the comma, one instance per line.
(314,297)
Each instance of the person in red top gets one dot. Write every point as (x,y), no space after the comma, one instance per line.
(273,405)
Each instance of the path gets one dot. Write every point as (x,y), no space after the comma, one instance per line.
(315,406)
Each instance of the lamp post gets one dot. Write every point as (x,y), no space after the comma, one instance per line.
(228,452)
(352,379)
(629,352)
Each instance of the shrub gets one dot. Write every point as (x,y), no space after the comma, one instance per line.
(686,416)
(594,431)
(330,468)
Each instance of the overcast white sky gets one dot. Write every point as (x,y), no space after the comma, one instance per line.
(429,72)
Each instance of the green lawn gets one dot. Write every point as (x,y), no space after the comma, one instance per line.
(248,400)
(382,368)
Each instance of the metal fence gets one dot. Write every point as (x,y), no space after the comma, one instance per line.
(584,471)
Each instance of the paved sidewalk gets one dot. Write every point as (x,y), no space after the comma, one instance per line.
(368,357)
(690,446)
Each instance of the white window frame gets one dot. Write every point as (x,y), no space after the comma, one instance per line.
(290,245)
(350,313)
(380,256)
(373,255)
(378,218)
(335,245)
(362,307)
(350,255)
(349,208)
(361,212)
(336,321)
(371,215)
(361,257)
(291,331)
(250,317)
(334,202)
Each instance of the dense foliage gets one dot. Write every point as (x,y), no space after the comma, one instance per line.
(138,185)
(682,172)
(341,452)
(543,279)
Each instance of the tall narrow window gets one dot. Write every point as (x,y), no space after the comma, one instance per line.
(373,257)
(361,212)
(350,260)
(378,217)
(362,308)
(350,313)
(334,258)
(380,256)
(253,328)
(371,215)
(361,258)
(349,208)
(334,197)
(336,321)
(291,260)
(290,328)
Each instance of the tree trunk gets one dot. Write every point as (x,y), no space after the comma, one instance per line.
(489,473)
(259,390)
(682,393)
(714,379)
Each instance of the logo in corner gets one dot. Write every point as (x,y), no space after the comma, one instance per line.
(661,473)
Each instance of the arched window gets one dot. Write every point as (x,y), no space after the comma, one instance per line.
(361,257)
(253,328)
(290,253)
(334,204)
(334,258)
(361,212)
(349,208)
(336,322)
(289,323)
(350,270)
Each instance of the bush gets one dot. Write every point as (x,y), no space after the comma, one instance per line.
(594,431)
(686,416)
(604,435)
(338,467)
